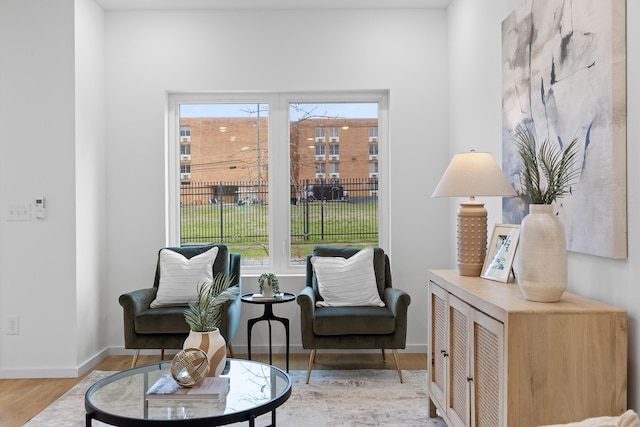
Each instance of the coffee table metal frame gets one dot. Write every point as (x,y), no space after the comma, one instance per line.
(268,316)
(95,413)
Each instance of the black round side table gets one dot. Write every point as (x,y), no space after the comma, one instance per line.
(269,316)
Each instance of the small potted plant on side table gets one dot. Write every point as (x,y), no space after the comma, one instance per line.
(268,284)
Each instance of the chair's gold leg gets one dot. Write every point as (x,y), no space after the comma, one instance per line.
(230,350)
(312,358)
(135,358)
(384,358)
(161,354)
(395,356)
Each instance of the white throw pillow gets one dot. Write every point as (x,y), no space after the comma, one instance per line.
(347,281)
(180,277)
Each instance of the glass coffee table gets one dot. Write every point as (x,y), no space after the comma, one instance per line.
(255,389)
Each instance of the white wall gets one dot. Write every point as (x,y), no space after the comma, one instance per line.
(149,53)
(475,54)
(37,257)
(443,73)
(52,269)
(90,146)
(84,112)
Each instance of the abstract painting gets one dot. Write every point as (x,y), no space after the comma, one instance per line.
(564,77)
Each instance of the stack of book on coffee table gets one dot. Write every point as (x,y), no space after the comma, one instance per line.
(167,388)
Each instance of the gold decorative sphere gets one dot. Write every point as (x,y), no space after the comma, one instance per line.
(190,367)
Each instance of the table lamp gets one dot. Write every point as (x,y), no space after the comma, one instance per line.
(472,174)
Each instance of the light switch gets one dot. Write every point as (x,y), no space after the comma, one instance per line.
(19,213)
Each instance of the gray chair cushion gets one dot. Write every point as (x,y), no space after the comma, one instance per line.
(163,320)
(353,320)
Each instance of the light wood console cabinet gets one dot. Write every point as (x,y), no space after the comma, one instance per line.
(497,359)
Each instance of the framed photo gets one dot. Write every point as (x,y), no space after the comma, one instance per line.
(501,252)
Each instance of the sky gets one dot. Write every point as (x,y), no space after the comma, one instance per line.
(343,110)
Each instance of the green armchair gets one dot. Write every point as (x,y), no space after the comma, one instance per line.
(164,327)
(353,327)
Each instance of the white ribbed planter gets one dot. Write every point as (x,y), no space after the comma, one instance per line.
(213,344)
(267,289)
(542,255)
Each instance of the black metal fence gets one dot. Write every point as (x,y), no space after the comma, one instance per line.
(335,211)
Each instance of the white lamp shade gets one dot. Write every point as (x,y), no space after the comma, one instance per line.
(473,174)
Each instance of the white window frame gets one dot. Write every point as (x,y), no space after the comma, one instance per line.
(334,134)
(279,155)
(185,171)
(373,133)
(185,150)
(373,170)
(185,137)
(373,151)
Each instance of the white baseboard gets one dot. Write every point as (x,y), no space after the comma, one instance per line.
(75,372)
(93,361)
(264,349)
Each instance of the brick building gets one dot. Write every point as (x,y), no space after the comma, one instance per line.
(223,149)
(334,149)
(236,149)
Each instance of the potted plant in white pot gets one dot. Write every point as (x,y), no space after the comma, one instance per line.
(547,174)
(269,285)
(204,316)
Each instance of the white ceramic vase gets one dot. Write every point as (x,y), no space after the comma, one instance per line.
(213,344)
(267,289)
(542,255)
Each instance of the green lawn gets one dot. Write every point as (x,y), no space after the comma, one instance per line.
(245,228)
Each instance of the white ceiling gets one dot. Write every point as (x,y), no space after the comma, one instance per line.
(269,4)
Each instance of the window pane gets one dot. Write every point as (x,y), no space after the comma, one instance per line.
(334,133)
(224,175)
(337,204)
(373,133)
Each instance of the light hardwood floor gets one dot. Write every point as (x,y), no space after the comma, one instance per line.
(22,399)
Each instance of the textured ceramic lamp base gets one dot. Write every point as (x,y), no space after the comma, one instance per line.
(472,238)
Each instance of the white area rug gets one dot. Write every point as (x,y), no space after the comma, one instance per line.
(365,397)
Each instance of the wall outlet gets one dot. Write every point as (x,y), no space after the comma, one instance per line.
(13,325)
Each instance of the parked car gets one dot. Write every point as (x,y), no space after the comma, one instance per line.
(326,192)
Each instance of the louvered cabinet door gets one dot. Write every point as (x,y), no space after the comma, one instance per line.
(507,361)
(439,350)
(487,372)
(458,404)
